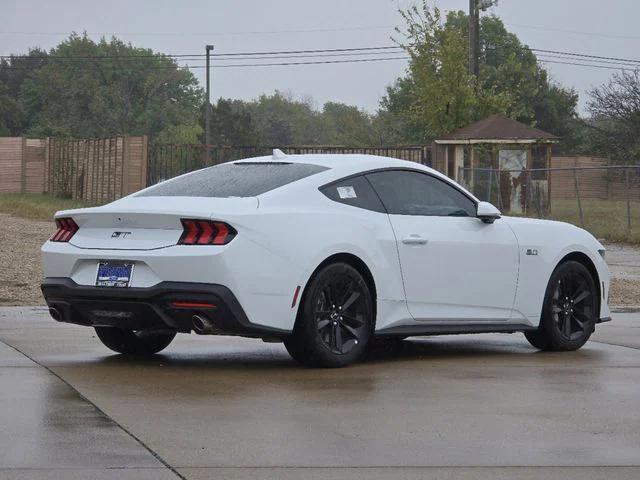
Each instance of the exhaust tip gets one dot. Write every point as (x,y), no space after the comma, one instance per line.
(55,314)
(202,325)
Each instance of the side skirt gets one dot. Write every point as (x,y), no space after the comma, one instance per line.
(452,329)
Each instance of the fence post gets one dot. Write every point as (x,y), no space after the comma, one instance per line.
(549,173)
(575,178)
(526,192)
(494,173)
(145,161)
(534,197)
(626,171)
(23,165)
(125,163)
(45,183)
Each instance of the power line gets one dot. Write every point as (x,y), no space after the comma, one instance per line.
(391,48)
(212,34)
(581,59)
(387,47)
(576,32)
(600,62)
(310,55)
(220,55)
(355,60)
(583,55)
(582,65)
(268,57)
(232,65)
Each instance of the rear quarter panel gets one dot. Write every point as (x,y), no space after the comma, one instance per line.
(315,228)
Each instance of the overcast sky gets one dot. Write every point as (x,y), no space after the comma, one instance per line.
(184,27)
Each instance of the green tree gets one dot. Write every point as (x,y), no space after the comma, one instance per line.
(508,65)
(346,125)
(89,89)
(231,123)
(438,94)
(278,119)
(14,120)
(441,94)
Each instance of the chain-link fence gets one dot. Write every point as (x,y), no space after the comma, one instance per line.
(603,200)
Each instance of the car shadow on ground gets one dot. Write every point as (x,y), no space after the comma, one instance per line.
(423,349)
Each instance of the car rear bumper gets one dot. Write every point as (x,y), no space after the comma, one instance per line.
(152,307)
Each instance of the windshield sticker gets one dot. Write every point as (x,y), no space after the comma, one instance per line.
(347,192)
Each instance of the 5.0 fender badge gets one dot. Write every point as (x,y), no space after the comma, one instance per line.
(532,251)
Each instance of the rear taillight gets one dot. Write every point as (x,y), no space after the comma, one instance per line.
(206,232)
(66,229)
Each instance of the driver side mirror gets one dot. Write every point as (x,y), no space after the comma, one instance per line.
(487,212)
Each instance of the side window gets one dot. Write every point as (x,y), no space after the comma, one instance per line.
(412,193)
(355,191)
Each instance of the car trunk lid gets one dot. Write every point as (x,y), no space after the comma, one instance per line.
(147,223)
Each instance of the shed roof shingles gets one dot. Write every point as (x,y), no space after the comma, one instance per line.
(497,127)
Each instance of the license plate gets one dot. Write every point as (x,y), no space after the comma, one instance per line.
(114,274)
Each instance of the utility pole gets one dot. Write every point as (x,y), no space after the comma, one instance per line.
(474,37)
(207,111)
(474,32)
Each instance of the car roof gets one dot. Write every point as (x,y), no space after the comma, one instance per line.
(345,164)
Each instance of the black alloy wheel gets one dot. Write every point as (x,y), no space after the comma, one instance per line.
(335,323)
(570,309)
(572,305)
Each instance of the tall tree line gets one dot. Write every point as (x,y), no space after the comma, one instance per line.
(83,88)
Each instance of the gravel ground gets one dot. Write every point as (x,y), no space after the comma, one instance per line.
(21,270)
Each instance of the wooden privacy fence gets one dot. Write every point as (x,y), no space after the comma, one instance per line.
(169,160)
(95,170)
(101,170)
(22,163)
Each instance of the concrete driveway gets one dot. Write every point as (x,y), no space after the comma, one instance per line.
(470,407)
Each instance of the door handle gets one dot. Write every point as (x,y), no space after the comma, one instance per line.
(414,239)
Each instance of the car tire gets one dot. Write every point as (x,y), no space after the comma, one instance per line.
(335,320)
(133,342)
(570,309)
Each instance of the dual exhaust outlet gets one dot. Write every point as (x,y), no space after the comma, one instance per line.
(201,325)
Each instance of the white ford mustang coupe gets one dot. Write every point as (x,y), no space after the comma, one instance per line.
(322,252)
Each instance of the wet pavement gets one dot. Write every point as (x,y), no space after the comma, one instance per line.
(470,407)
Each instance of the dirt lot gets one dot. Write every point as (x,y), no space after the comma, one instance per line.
(21,272)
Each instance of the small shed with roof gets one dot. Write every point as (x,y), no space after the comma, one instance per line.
(495,155)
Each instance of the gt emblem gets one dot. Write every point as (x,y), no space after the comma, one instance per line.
(532,251)
(120,234)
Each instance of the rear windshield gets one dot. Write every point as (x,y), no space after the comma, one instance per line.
(240,179)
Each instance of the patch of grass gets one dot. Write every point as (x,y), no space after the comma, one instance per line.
(605,219)
(35,206)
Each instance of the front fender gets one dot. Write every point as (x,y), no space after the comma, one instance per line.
(543,245)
